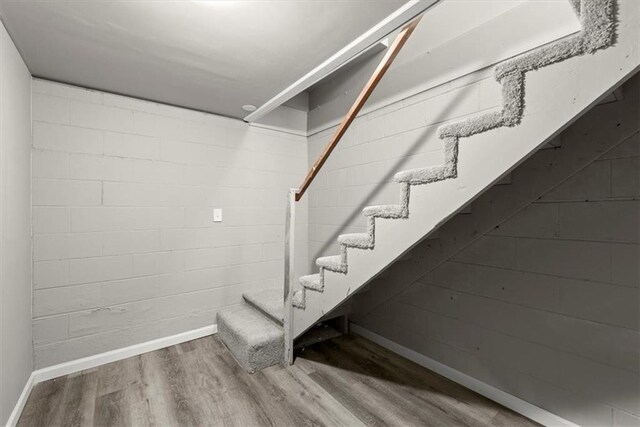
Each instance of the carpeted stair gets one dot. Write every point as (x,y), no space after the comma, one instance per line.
(269,302)
(598,31)
(253,331)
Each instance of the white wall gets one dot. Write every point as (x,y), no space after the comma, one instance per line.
(400,136)
(15,226)
(125,249)
(545,306)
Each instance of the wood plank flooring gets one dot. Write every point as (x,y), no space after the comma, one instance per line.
(347,381)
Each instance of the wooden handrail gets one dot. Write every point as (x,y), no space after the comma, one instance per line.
(375,78)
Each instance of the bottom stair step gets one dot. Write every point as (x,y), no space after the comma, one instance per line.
(254,340)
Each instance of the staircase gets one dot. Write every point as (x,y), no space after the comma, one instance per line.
(562,80)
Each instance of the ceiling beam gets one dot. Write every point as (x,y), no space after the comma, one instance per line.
(397,19)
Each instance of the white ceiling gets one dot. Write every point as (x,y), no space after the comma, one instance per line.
(210,55)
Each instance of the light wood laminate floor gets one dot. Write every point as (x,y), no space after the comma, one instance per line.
(347,381)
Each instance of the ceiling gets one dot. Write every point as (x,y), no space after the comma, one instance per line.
(209,55)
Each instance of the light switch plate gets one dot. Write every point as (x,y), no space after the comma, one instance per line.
(217,215)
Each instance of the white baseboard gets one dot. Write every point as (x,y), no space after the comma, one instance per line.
(22,400)
(517,405)
(78,365)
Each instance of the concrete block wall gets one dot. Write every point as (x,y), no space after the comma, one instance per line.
(399,136)
(546,306)
(124,245)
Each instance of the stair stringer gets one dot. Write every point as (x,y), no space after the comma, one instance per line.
(556,95)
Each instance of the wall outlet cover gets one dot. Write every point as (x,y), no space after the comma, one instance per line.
(217,215)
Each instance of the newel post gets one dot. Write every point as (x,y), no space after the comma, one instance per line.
(289,276)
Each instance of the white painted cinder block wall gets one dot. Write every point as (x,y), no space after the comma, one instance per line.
(380,143)
(15,225)
(569,264)
(124,244)
(547,305)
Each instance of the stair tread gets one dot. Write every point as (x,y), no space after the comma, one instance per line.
(384,211)
(312,281)
(269,301)
(252,326)
(254,340)
(332,262)
(356,240)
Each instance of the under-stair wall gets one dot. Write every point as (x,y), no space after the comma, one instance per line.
(545,305)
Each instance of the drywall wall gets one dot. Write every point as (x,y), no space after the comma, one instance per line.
(545,306)
(125,247)
(15,226)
